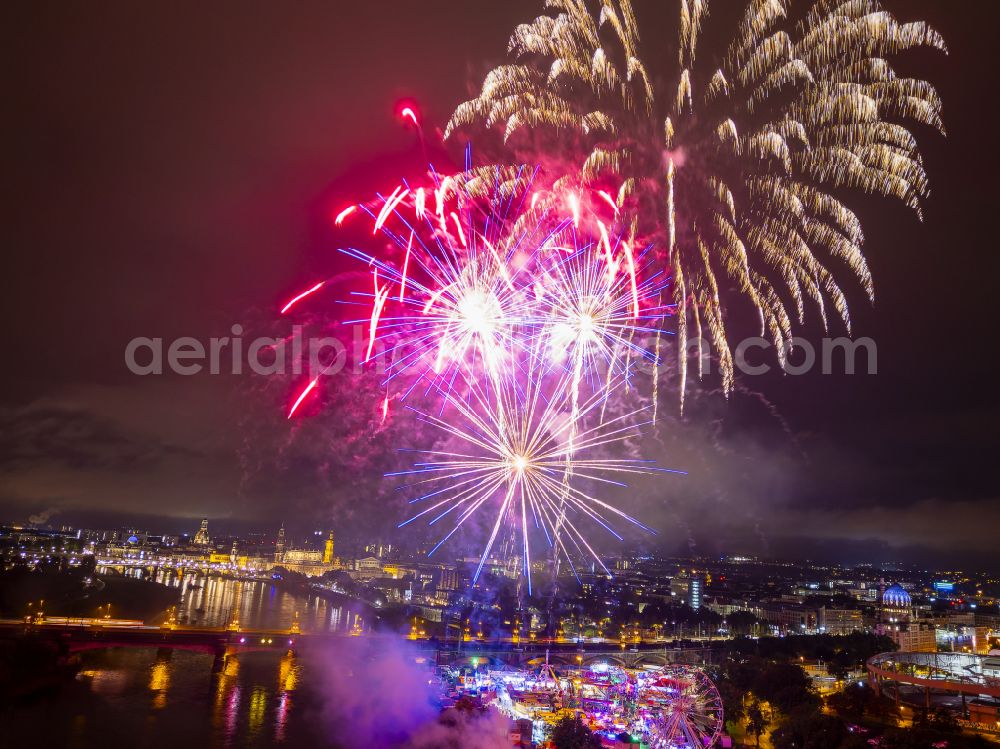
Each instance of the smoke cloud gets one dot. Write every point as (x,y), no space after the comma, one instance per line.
(43,517)
(376,694)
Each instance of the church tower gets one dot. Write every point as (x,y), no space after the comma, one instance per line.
(201,537)
(279,547)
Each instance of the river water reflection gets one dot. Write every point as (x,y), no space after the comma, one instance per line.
(150,698)
(212,601)
(158,698)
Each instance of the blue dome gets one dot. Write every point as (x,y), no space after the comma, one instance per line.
(896,597)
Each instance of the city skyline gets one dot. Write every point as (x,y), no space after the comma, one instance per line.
(311,534)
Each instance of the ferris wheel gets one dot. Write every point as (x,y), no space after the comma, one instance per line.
(683,710)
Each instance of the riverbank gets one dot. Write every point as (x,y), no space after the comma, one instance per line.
(72,594)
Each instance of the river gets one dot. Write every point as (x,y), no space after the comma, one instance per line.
(211,601)
(149,698)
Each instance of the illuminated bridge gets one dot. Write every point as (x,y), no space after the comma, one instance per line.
(71,637)
(223,643)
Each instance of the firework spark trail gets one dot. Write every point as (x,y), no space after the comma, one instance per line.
(408,113)
(294,300)
(385,408)
(381,295)
(342,216)
(406,266)
(473,305)
(302,396)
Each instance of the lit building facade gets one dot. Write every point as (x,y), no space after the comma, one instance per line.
(896,621)
(837,621)
(311,562)
(201,538)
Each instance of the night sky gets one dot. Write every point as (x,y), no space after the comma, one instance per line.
(170,169)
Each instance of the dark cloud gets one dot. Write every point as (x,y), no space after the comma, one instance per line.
(126,449)
(77,440)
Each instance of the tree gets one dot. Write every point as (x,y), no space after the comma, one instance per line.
(840,665)
(883,708)
(757,720)
(850,702)
(741,622)
(928,732)
(732,698)
(810,731)
(940,720)
(344,582)
(859,700)
(570,733)
(786,686)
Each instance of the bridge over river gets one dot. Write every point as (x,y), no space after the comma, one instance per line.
(74,636)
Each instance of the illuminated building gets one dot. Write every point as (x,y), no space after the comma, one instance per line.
(450,579)
(279,547)
(328,550)
(367,568)
(964,638)
(790,617)
(835,621)
(379,549)
(312,562)
(229,558)
(896,608)
(896,599)
(689,588)
(201,538)
(915,637)
(302,556)
(896,622)
(694,593)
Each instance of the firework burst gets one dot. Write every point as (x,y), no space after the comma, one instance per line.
(472,286)
(522,321)
(733,169)
(519,454)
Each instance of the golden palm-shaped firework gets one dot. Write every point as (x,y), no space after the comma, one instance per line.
(733,171)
